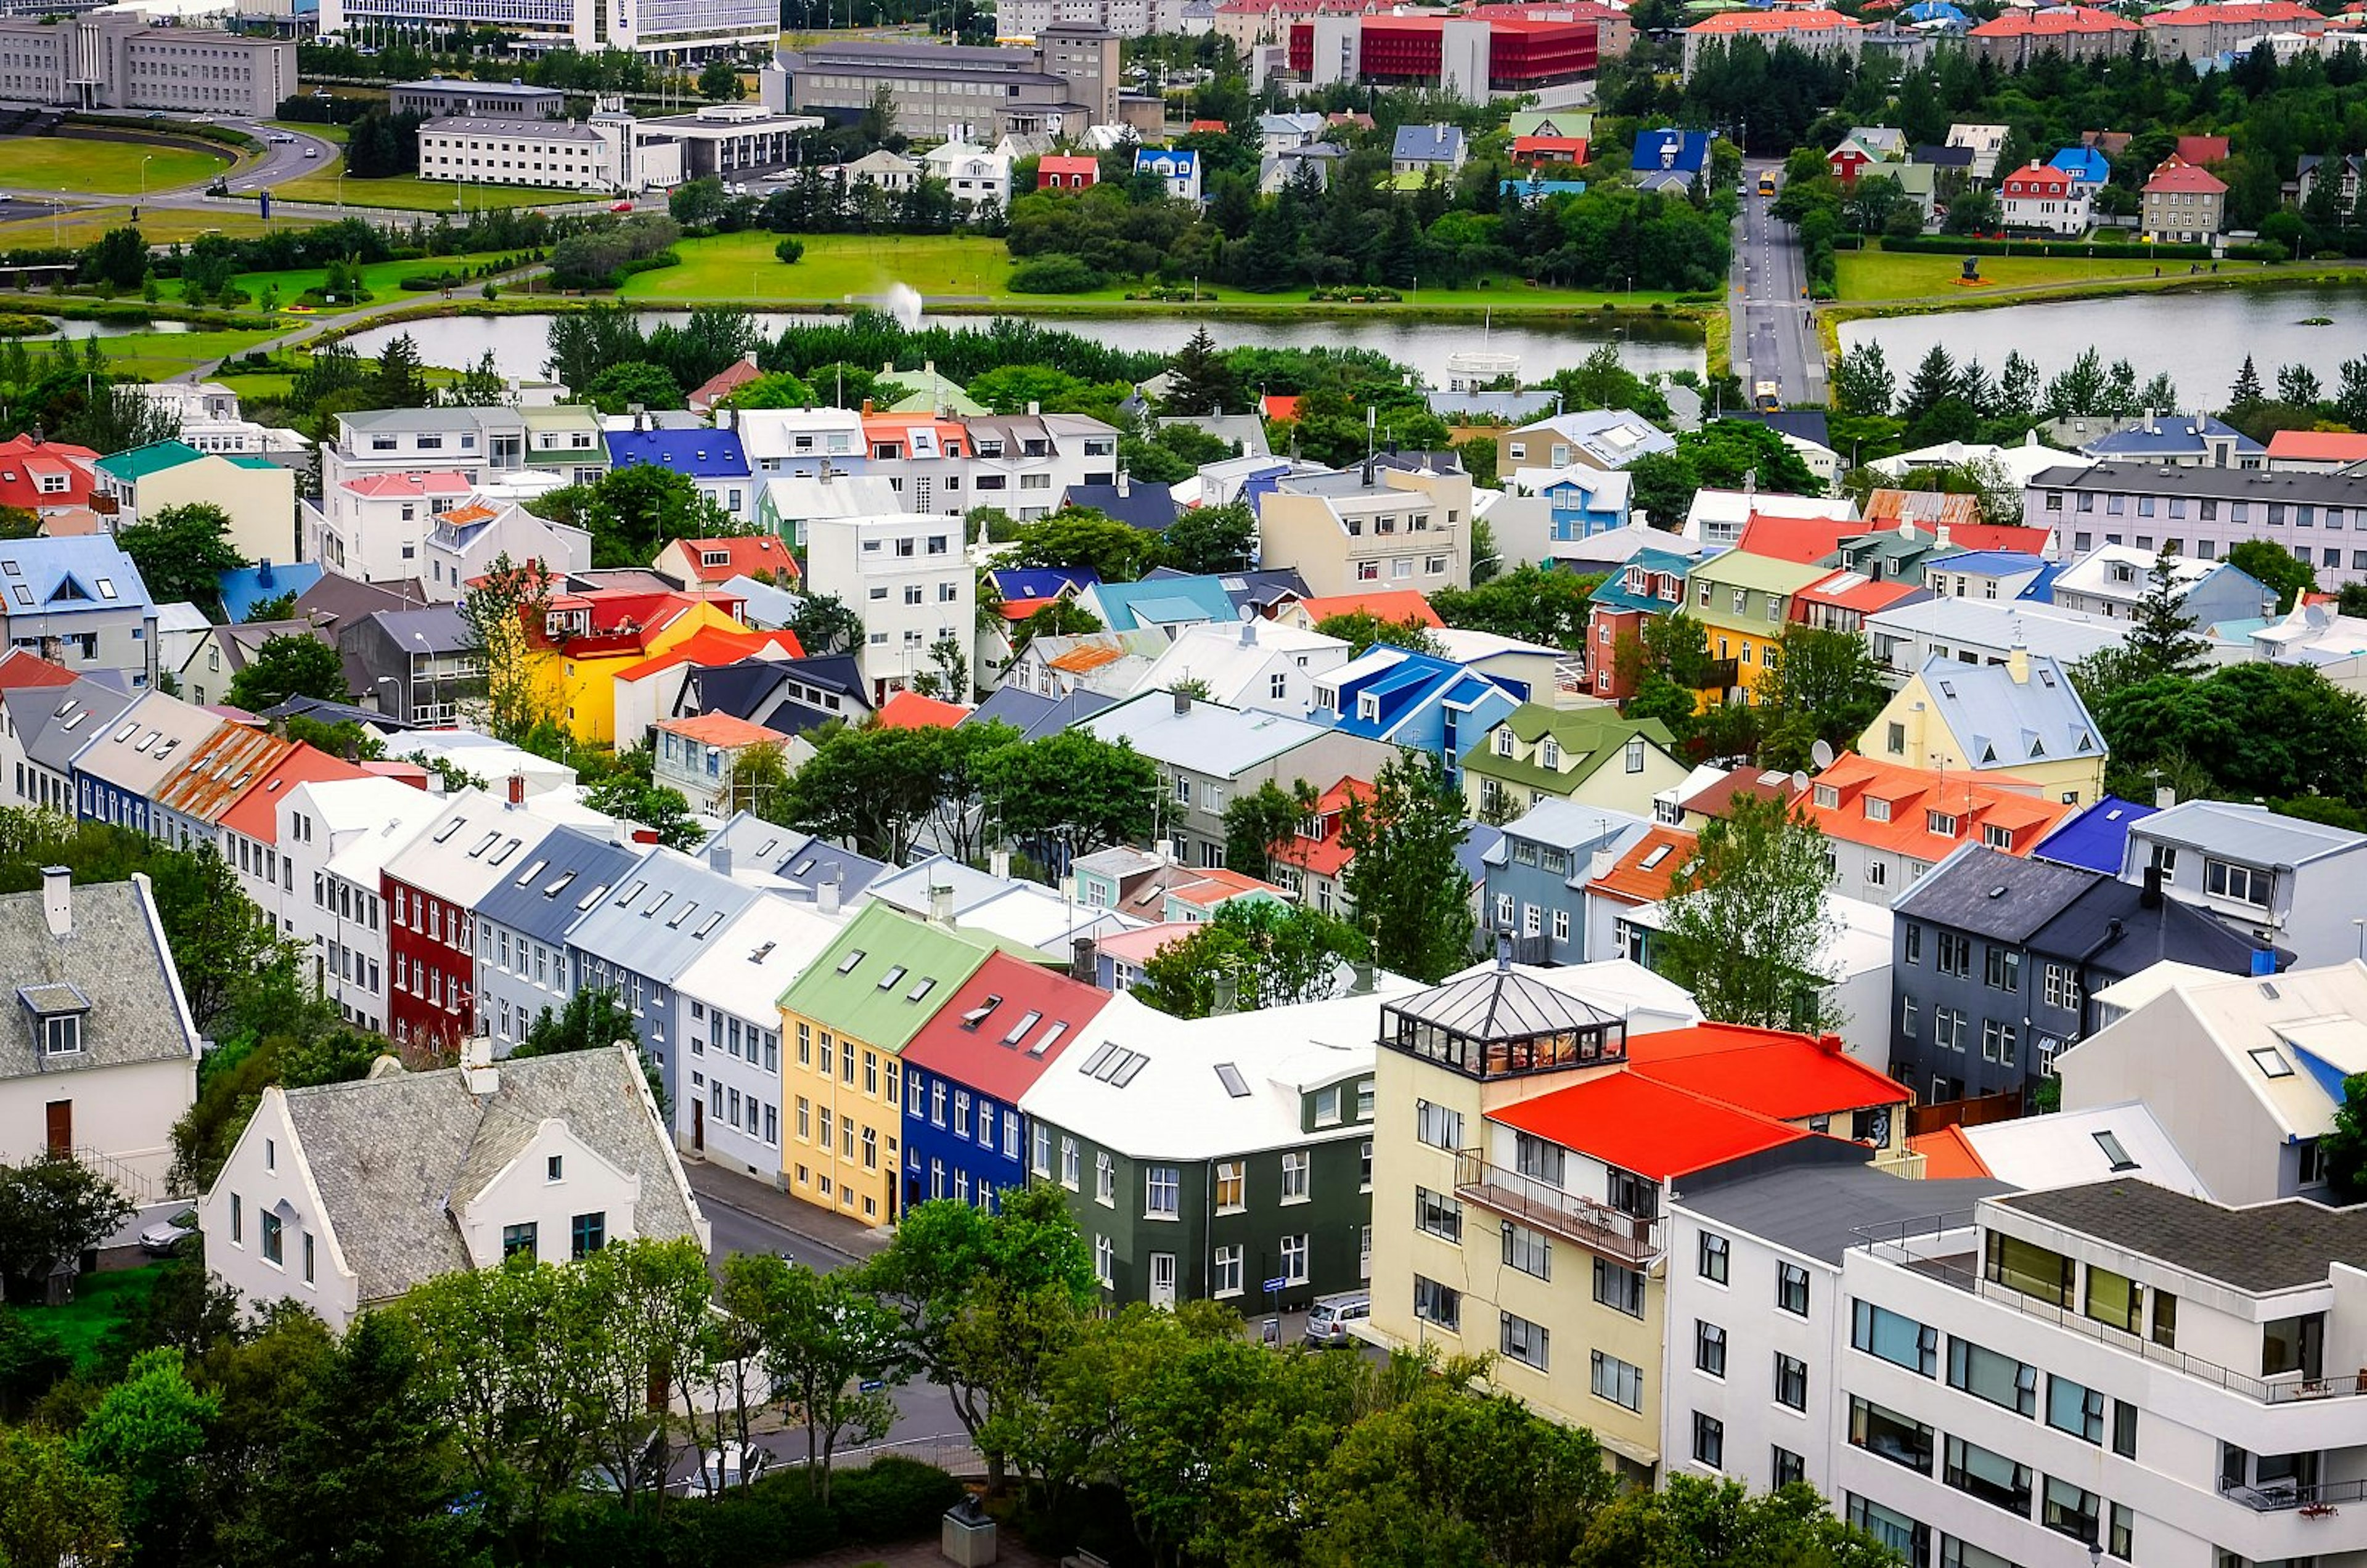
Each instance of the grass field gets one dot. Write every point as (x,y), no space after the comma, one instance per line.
(157,356)
(100,1301)
(1881,275)
(970,267)
(409,193)
(381,278)
(69,164)
(337,133)
(158,225)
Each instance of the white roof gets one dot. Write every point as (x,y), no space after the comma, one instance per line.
(1856,939)
(462,853)
(148,742)
(181,617)
(1622,987)
(491,760)
(763,951)
(2045,630)
(1176,1105)
(388,813)
(2131,993)
(1465,646)
(1732,508)
(2019,463)
(2067,1149)
(770,433)
(2312,633)
(1217,655)
(805,497)
(2092,573)
(1604,487)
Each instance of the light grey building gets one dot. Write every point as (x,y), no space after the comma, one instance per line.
(1068,80)
(441,96)
(522,926)
(43,728)
(115,61)
(2282,880)
(2203,511)
(79,603)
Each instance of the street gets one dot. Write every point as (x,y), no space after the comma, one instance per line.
(1774,325)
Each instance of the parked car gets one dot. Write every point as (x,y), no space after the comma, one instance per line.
(165,1237)
(1328,1319)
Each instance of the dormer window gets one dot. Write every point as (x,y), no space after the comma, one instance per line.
(1877,810)
(715,557)
(1503,743)
(57,1007)
(1549,753)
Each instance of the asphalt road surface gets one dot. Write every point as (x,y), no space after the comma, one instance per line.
(1775,335)
(281,161)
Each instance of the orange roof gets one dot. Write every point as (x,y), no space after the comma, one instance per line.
(1020,609)
(1399,606)
(1809,540)
(910,710)
(1854,590)
(1217,885)
(1216,125)
(744,557)
(1092,656)
(20,668)
(1948,1153)
(1800,21)
(1774,1072)
(711,646)
(898,428)
(2250,11)
(722,729)
(1906,798)
(2317,446)
(230,763)
(1667,849)
(2052,22)
(1280,407)
(255,814)
(470,512)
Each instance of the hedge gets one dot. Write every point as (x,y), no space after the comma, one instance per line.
(776,1519)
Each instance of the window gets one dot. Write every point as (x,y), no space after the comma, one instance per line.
(1438,1216)
(2115,1299)
(1996,1041)
(1069,1163)
(1791,1288)
(1104,1261)
(1617,1287)
(2070,1509)
(2033,1270)
(1709,1348)
(1709,1440)
(1104,1179)
(1985,1374)
(1715,1255)
(1909,1538)
(2001,968)
(1041,1162)
(1225,1274)
(1610,1378)
(1992,1477)
(1901,1341)
(1231,1196)
(587,1233)
(273,1246)
(1297,1168)
(519,1239)
(1883,1431)
(1434,1302)
(1789,1467)
(1955,955)
(1522,1341)
(2061,986)
(61,1034)
(1294,1259)
(2240,883)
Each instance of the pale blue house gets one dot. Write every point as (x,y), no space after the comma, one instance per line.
(1415,701)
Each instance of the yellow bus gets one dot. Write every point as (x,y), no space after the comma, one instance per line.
(1767,183)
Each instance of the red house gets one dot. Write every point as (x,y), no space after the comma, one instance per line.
(431,886)
(1057,171)
(1549,149)
(40,476)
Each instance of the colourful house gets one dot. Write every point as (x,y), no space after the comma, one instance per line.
(587,640)
(1591,755)
(1744,601)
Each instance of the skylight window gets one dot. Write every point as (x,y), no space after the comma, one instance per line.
(559,885)
(1027,1020)
(487,843)
(848,963)
(1230,1076)
(1659,852)
(802,866)
(633,893)
(683,914)
(2272,1065)
(1051,1038)
(707,927)
(763,953)
(1093,1063)
(506,850)
(978,1014)
(533,869)
(448,829)
(928,983)
(592,897)
(767,847)
(125,733)
(896,973)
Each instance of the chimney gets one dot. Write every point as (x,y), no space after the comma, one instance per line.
(1600,863)
(1249,631)
(1941,534)
(1125,485)
(1035,409)
(2017,665)
(2163,797)
(2150,426)
(826,896)
(517,791)
(1183,702)
(2151,898)
(941,907)
(57,899)
(723,417)
(867,408)
(998,864)
(477,1069)
(1830,1045)
(719,858)
(1227,996)
(1362,985)
(1080,959)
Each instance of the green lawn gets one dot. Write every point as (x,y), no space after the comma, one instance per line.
(409,193)
(971,267)
(158,225)
(100,1301)
(71,164)
(1882,275)
(337,133)
(159,356)
(381,278)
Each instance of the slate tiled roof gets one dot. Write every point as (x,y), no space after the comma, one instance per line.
(116,958)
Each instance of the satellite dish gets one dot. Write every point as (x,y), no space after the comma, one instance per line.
(1799,782)
(1249,612)
(1821,754)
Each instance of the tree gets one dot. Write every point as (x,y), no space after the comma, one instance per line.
(824,624)
(52,1207)
(1081,536)
(1072,789)
(2247,389)
(778,391)
(1744,925)
(1359,629)
(291,664)
(147,1432)
(647,1303)
(1699,1523)
(181,552)
(364,1474)
(869,786)
(2342,1148)
(53,1507)
(2274,567)
(2257,731)
(2350,392)
(720,82)
(1534,604)
(2298,385)
(504,612)
(824,1336)
(698,204)
(2161,634)
(1199,379)
(401,379)
(948,679)
(1404,881)
(1828,682)
(635,381)
(1934,380)
(1862,385)
(593,1018)
(1260,821)
(1266,953)
(632,511)
(1212,539)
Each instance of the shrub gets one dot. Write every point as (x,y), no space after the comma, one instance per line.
(789,251)
(892,1499)
(1055,275)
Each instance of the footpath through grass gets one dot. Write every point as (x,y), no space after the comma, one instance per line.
(1886,274)
(110,168)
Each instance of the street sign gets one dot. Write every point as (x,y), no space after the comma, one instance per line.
(1276,1283)
(870,1385)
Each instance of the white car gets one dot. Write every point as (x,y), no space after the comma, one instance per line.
(280,138)
(729,1466)
(311,151)
(165,1237)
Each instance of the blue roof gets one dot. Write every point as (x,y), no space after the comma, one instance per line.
(1035,715)
(1933,11)
(1685,151)
(1182,162)
(1040,581)
(1538,189)
(1127,606)
(1401,688)
(59,576)
(243,587)
(2085,163)
(1428,143)
(700,454)
(2170,435)
(1989,563)
(2093,839)
(1148,507)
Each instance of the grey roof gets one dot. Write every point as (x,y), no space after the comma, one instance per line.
(392,1152)
(1429,143)
(1502,1003)
(419,418)
(2199,479)
(562,878)
(2112,926)
(2004,723)
(1247,429)
(2252,833)
(1566,824)
(1207,737)
(476,89)
(642,925)
(1263,587)
(442,625)
(53,723)
(341,600)
(114,959)
(2002,896)
(2258,1248)
(798,858)
(1035,715)
(1817,1210)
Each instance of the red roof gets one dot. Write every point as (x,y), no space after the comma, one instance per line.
(743,557)
(722,729)
(2213,149)
(1854,590)
(1653,1129)
(1280,407)
(1020,609)
(2317,446)
(433,481)
(1329,854)
(2175,176)
(1800,21)
(711,646)
(1570,149)
(1911,795)
(1947,1153)
(25,463)
(722,384)
(2040,180)
(2053,22)
(1631,881)
(1399,607)
(2247,12)
(255,814)
(1772,1072)
(20,668)
(1809,540)
(1216,125)
(624,620)
(910,710)
(971,1038)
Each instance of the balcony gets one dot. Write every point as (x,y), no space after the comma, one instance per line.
(1598,1227)
(2285,1497)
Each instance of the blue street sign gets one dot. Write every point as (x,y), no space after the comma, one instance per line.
(870,1385)
(1276,1283)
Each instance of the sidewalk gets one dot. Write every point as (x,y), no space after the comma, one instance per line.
(761,1200)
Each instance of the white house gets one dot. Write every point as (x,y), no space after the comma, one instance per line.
(2044,198)
(99,1055)
(334,835)
(345,1196)
(974,174)
(1262,664)
(733,1030)
(907,577)
(1177,171)
(375,526)
(464,541)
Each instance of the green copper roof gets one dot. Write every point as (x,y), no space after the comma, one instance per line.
(141,461)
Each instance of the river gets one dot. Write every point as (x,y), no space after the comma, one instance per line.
(520,344)
(2199,339)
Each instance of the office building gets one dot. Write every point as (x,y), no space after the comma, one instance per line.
(116,61)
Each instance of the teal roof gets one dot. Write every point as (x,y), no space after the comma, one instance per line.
(250,461)
(1165,600)
(154,458)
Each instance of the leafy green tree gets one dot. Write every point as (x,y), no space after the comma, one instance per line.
(1408,889)
(2257,731)
(1259,821)
(1535,603)
(948,676)
(52,1207)
(1081,536)
(1745,925)
(1272,953)
(1199,379)
(56,1509)
(698,204)
(620,387)
(1827,682)
(292,664)
(1700,1523)
(1062,617)
(720,82)
(649,1304)
(365,1476)
(1071,788)
(591,1020)
(824,624)
(181,552)
(779,389)
(631,513)
(823,1337)
(1359,629)
(2342,1148)
(2276,568)
(870,786)
(1212,539)
(147,1432)
(2161,634)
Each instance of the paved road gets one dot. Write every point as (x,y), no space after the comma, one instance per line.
(1774,325)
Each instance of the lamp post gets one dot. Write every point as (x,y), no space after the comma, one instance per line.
(435,696)
(143,177)
(390,681)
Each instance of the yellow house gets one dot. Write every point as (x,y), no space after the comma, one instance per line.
(844,1024)
(256,495)
(589,637)
(1589,755)
(2020,720)
(1744,602)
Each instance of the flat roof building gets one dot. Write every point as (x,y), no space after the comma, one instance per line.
(1066,82)
(441,96)
(116,61)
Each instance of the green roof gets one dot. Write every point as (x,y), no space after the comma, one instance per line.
(1769,574)
(250,461)
(154,458)
(863,985)
(1589,738)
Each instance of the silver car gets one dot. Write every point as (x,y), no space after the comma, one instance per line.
(1328,1319)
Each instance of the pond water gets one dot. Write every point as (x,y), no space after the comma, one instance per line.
(82,328)
(2199,339)
(520,344)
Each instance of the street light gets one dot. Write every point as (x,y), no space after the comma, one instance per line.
(143,177)
(390,681)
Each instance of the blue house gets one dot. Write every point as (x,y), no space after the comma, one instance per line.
(1586,501)
(1415,701)
(712,459)
(1041,582)
(1990,574)
(2087,167)
(1178,169)
(1669,150)
(1166,603)
(964,1073)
